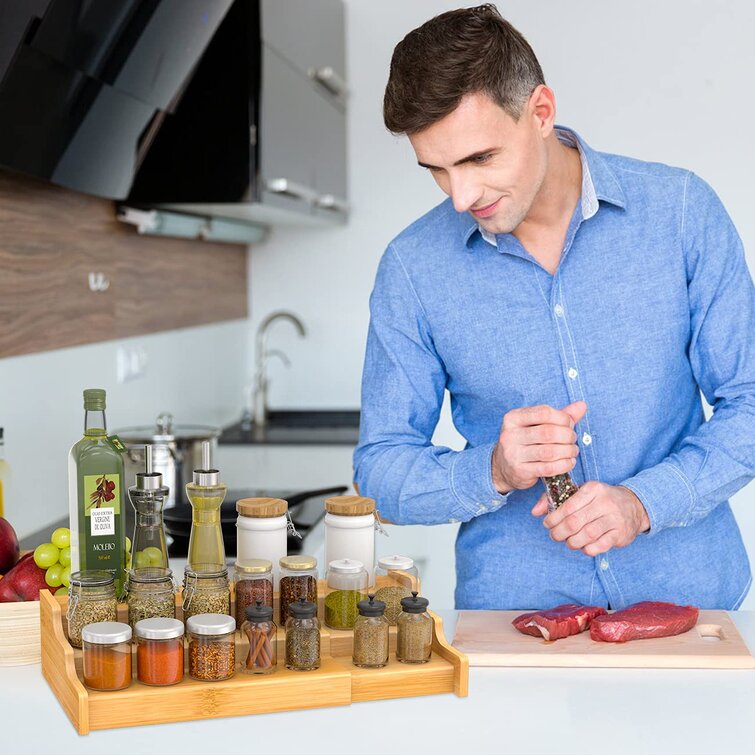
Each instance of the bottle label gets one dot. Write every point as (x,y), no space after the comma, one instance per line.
(102,496)
(116,443)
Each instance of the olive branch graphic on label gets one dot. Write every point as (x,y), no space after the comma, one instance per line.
(103,493)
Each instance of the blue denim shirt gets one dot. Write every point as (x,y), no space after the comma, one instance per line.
(652,303)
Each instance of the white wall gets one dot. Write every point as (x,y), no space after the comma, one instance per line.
(659,81)
(197,374)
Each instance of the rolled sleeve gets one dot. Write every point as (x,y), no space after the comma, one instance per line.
(472,482)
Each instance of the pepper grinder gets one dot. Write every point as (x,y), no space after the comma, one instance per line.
(206,493)
(148,498)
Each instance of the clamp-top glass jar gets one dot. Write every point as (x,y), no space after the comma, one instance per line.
(91,599)
(395,578)
(347,585)
(253,581)
(298,580)
(302,636)
(415,631)
(151,594)
(371,635)
(206,592)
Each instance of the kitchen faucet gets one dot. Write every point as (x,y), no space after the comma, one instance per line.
(261,355)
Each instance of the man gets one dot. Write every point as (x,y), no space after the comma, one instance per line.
(574,304)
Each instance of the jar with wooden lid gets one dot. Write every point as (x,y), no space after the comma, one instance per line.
(395,578)
(205,592)
(414,627)
(159,651)
(350,531)
(302,636)
(106,655)
(212,646)
(150,593)
(253,581)
(91,599)
(262,531)
(370,634)
(298,580)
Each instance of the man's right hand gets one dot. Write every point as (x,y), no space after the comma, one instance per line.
(535,442)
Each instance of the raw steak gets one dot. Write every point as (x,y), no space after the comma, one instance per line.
(642,621)
(559,622)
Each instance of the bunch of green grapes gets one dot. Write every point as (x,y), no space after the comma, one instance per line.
(55,558)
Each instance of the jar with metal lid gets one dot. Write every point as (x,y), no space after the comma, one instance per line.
(106,655)
(151,593)
(414,638)
(261,632)
(298,580)
(253,581)
(262,531)
(205,592)
(302,636)
(159,651)
(347,585)
(91,599)
(371,634)
(212,646)
(395,578)
(350,531)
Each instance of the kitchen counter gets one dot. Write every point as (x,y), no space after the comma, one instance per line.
(508,710)
(298,427)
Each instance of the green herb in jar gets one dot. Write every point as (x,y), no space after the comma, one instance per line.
(207,601)
(303,648)
(391,595)
(148,606)
(341,608)
(84,612)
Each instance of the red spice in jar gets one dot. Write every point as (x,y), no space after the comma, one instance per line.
(160,662)
(248,592)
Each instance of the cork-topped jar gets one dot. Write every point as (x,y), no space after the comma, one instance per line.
(262,531)
(350,531)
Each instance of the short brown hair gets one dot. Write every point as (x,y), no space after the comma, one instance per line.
(454,54)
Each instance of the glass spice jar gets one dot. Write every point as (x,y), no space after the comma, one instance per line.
(396,577)
(91,599)
(347,584)
(205,592)
(302,636)
(414,631)
(159,651)
(253,581)
(212,646)
(259,628)
(298,580)
(106,655)
(150,593)
(371,635)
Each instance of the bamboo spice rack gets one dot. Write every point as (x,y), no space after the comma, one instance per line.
(336,682)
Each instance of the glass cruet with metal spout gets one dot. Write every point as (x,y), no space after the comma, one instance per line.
(206,493)
(148,497)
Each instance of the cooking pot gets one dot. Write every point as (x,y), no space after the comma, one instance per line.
(176,452)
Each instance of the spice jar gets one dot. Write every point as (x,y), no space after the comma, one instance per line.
(205,592)
(253,580)
(350,531)
(212,648)
(151,593)
(262,531)
(91,599)
(298,580)
(415,631)
(261,632)
(396,577)
(106,655)
(371,635)
(302,636)
(159,651)
(347,581)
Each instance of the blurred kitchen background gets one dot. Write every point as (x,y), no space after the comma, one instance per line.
(173,326)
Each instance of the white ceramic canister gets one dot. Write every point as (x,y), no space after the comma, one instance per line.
(350,531)
(262,531)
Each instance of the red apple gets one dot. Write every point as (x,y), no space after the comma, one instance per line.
(8,546)
(23,581)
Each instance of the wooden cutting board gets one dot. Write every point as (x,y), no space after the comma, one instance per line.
(489,639)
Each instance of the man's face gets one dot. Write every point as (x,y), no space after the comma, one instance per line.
(489,164)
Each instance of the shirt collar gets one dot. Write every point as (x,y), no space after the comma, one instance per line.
(599,182)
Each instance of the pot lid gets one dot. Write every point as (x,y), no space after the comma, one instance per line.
(165,430)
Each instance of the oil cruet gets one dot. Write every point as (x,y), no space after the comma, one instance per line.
(206,493)
(148,496)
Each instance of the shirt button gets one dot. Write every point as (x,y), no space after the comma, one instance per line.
(559,310)
(572,373)
(603,564)
(587,439)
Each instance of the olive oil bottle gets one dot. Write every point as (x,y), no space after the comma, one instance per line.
(96,495)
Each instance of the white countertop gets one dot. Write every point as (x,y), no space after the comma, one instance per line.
(508,710)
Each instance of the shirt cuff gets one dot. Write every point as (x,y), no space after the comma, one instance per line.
(666,494)
(472,482)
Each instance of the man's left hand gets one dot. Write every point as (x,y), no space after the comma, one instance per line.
(596,518)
